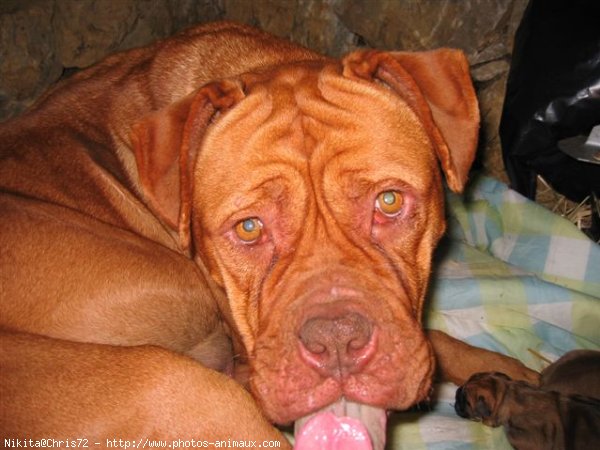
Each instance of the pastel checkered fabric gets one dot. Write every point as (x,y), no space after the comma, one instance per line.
(510,277)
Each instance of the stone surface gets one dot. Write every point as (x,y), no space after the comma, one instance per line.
(85,30)
(88,30)
(40,39)
(472,25)
(28,61)
(312,23)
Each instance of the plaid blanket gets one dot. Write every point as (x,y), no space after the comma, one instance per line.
(510,277)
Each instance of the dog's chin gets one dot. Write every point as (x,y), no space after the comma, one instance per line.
(342,425)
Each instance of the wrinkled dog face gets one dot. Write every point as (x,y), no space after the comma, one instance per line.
(318,207)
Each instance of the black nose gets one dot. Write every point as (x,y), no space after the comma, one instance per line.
(460,403)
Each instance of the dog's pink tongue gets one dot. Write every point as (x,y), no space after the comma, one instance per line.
(326,431)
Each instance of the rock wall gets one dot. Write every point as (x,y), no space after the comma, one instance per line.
(40,40)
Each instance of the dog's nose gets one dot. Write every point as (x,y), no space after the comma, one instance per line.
(337,346)
(460,404)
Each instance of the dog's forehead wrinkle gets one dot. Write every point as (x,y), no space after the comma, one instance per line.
(329,238)
(325,129)
(387,153)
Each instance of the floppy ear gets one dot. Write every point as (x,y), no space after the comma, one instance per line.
(166,144)
(482,409)
(437,86)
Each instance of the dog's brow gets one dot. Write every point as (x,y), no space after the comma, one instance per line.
(256,194)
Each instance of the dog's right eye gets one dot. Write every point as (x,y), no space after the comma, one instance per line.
(249,230)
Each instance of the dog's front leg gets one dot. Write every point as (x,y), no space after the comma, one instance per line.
(457,361)
(59,389)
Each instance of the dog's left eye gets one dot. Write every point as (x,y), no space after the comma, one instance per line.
(249,230)
(390,203)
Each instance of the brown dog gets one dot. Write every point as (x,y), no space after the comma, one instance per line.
(562,413)
(225,197)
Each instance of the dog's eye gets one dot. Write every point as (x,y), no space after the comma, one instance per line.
(390,203)
(249,230)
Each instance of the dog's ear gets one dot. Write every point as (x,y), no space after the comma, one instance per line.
(482,410)
(438,87)
(166,144)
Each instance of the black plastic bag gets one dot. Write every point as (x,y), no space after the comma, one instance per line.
(553,92)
